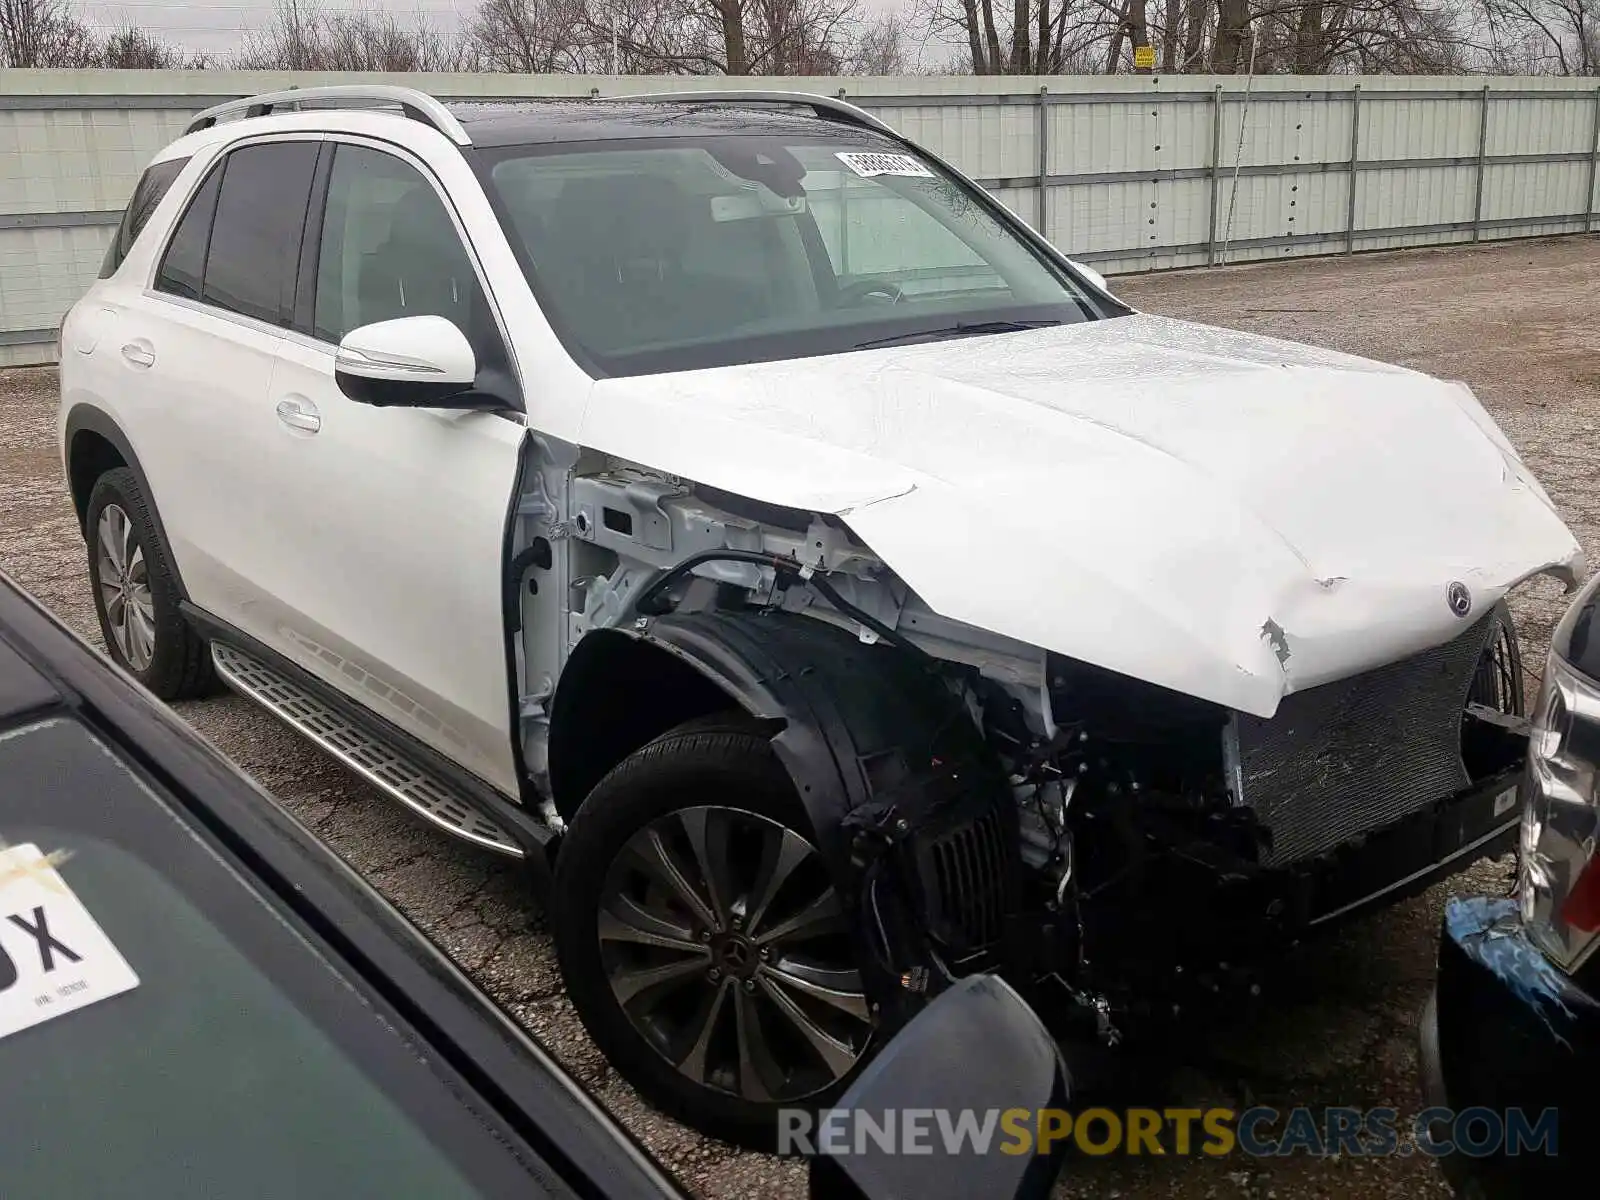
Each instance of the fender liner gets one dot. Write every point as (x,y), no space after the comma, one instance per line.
(883,756)
(852,720)
(86,418)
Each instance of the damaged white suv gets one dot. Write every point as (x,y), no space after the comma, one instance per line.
(721,504)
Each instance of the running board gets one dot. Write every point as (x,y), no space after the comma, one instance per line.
(390,771)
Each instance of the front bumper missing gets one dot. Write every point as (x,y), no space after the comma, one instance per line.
(1405,857)
(1379,868)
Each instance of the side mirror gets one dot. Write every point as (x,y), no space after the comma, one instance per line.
(977,1051)
(411,362)
(1091,275)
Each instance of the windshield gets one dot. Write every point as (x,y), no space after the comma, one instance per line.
(676,253)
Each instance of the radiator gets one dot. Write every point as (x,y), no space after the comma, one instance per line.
(1351,756)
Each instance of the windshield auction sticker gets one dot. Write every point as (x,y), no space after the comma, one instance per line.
(867,165)
(54,957)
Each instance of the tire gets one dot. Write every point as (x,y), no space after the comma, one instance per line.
(136,593)
(734,952)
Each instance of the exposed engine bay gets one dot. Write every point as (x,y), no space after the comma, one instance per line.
(1072,827)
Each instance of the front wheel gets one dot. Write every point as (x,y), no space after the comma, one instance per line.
(701,938)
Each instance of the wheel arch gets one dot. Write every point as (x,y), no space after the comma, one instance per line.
(846,719)
(93,444)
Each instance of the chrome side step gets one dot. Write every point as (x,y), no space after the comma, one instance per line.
(388,770)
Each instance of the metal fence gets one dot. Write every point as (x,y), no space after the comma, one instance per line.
(1136,173)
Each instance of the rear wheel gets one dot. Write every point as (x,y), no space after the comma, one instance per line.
(136,593)
(701,937)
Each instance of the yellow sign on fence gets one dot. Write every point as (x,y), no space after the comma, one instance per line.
(1144,57)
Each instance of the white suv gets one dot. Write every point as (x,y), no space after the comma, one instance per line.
(724,490)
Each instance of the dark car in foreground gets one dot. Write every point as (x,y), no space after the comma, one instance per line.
(1511,1037)
(198,999)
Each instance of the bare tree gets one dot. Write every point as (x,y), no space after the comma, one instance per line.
(880,48)
(530,36)
(1223,36)
(133,49)
(44,33)
(1552,37)
(1319,37)
(723,37)
(1032,37)
(304,37)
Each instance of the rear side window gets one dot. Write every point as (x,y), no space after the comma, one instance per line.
(153,185)
(184,266)
(238,246)
(252,262)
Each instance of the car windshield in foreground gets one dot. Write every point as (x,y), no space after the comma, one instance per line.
(686,252)
(166,1031)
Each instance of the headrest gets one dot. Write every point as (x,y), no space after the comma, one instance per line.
(418,220)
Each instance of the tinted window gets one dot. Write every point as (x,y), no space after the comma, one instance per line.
(153,185)
(183,267)
(255,240)
(389,249)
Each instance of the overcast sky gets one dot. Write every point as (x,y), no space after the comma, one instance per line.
(220,25)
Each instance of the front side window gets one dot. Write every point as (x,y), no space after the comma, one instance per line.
(673,254)
(152,186)
(389,249)
(237,246)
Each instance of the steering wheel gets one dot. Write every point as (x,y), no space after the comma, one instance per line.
(865,290)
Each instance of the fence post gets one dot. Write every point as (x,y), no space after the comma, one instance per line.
(1044,162)
(1594,163)
(1483,149)
(1216,173)
(1355,155)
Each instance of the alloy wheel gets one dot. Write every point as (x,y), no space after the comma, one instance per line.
(726,945)
(124,579)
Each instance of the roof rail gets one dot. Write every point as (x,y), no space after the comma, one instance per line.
(419,106)
(822,106)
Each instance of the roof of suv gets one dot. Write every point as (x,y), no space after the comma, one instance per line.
(539,121)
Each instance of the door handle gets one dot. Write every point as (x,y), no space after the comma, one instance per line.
(299,414)
(139,353)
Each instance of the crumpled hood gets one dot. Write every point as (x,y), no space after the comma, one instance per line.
(1228,515)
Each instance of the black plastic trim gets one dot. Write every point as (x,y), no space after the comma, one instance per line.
(839,706)
(414,393)
(304,315)
(1409,856)
(86,418)
(530,1090)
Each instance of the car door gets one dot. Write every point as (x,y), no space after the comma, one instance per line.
(398,515)
(195,350)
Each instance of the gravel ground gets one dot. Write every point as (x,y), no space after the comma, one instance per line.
(1519,322)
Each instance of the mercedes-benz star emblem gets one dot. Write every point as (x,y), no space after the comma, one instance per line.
(1458,598)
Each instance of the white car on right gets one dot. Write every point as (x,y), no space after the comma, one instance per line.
(826,587)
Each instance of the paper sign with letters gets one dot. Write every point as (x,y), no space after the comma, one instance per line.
(867,164)
(54,957)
